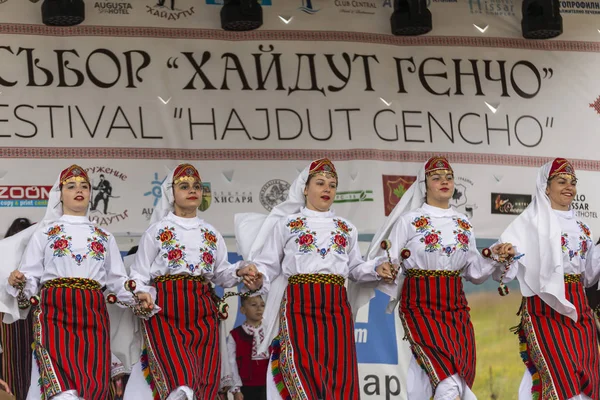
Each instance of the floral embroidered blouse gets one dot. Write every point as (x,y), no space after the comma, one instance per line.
(440,239)
(182,246)
(579,255)
(73,247)
(313,242)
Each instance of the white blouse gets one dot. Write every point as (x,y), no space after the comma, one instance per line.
(440,239)
(182,246)
(73,247)
(313,242)
(579,256)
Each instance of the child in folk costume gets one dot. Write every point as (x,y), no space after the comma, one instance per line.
(307,253)
(248,365)
(559,344)
(178,258)
(68,260)
(433,307)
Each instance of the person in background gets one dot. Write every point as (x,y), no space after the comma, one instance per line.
(16,339)
(248,365)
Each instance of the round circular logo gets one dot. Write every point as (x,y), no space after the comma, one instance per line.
(274,192)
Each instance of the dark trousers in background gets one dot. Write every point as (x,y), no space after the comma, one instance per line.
(254,392)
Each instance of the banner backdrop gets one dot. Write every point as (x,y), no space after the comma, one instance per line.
(141,86)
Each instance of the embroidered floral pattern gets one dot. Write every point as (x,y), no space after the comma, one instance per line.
(432,238)
(307,239)
(207,252)
(462,233)
(61,244)
(166,236)
(174,252)
(585,239)
(564,242)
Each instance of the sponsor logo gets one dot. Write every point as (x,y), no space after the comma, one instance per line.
(273,192)
(509,204)
(308,7)
(232,197)
(115,7)
(394,187)
(582,208)
(493,7)
(356,6)
(460,199)
(356,196)
(24,196)
(579,7)
(206,197)
(106,206)
(166,9)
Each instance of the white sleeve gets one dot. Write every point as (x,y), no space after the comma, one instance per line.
(225,273)
(140,269)
(270,258)
(32,266)
(359,270)
(479,268)
(116,276)
(592,266)
(231,352)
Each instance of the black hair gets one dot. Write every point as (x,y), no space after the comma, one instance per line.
(132,250)
(17,226)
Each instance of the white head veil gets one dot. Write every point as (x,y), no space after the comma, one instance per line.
(251,232)
(537,234)
(413,198)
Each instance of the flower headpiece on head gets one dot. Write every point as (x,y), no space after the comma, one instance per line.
(73,174)
(323,167)
(186,173)
(563,167)
(438,164)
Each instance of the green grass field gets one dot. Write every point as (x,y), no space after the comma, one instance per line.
(499,366)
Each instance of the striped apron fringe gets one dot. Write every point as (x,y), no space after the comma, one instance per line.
(561,355)
(435,316)
(314,355)
(181,342)
(72,339)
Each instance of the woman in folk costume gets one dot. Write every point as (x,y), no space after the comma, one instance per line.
(178,258)
(16,340)
(557,333)
(68,261)
(433,307)
(307,253)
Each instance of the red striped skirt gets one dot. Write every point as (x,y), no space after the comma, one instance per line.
(72,342)
(16,339)
(562,355)
(182,340)
(435,315)
(314,356)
